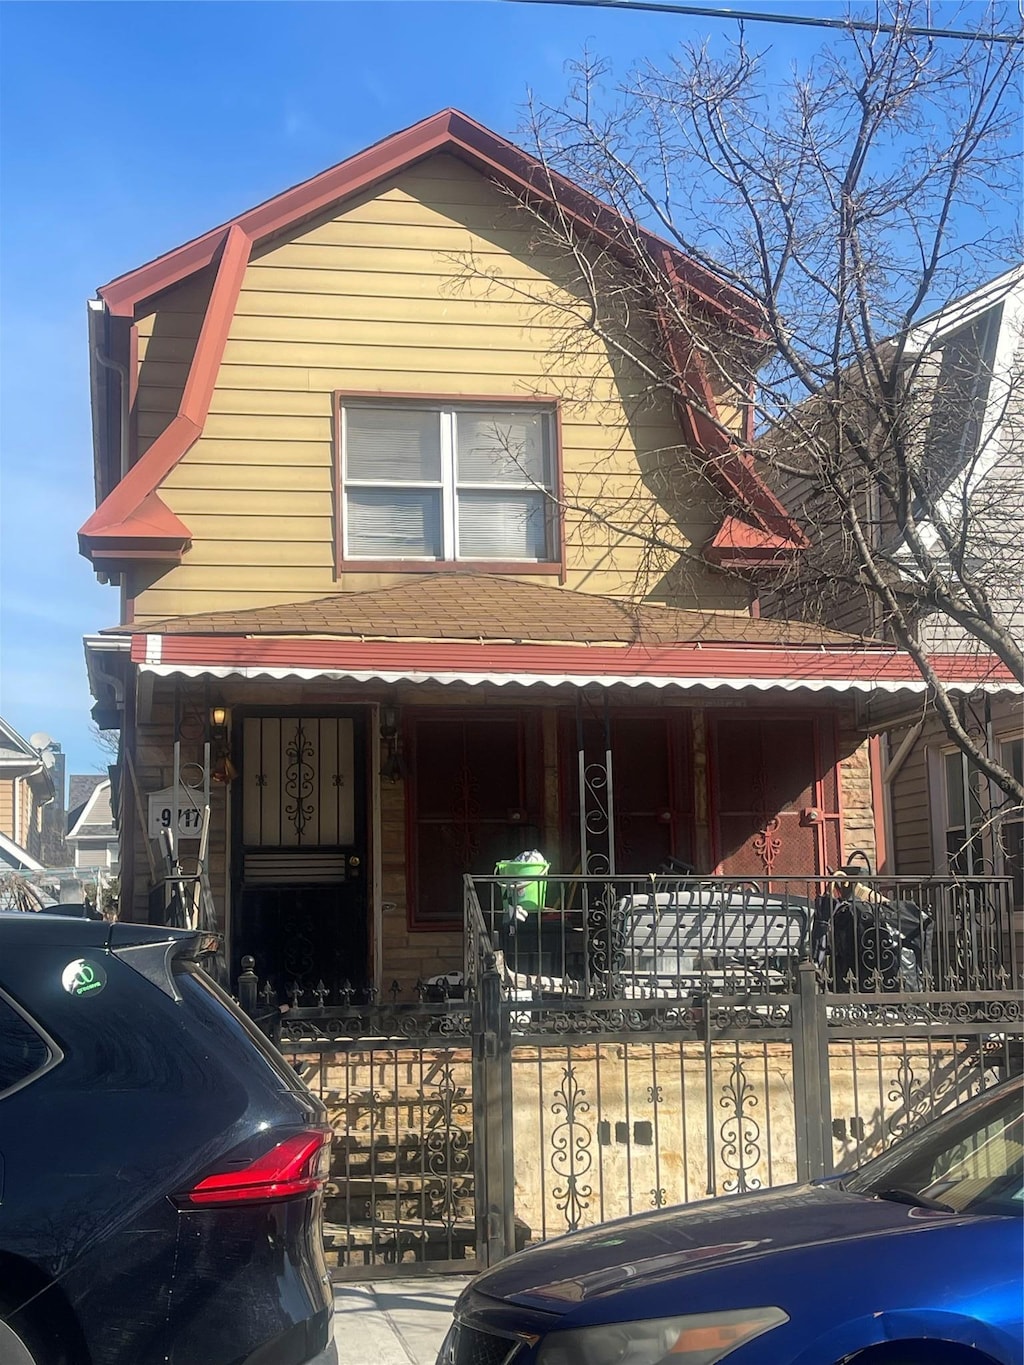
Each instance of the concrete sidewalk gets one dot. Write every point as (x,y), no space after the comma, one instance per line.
(394,1322)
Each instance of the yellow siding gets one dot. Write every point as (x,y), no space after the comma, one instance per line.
(381,298)
(7,809)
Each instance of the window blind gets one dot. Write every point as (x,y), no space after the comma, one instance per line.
(393,445)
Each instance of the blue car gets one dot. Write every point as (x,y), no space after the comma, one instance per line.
(913,1260)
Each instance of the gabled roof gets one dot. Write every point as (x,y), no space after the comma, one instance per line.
(89,814)
(14,858)
(13,746)
(132,522)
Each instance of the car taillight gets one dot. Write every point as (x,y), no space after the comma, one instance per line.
(298,1165)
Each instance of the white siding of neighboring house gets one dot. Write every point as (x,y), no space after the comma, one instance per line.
(89,855)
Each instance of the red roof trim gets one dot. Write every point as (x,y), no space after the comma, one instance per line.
(738,543)
(665,661)
(462,135)
(728,466)
(132,509)
(453,131)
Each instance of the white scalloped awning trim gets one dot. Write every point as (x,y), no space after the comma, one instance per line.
(253,672)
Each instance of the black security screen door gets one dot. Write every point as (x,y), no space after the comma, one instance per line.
(301,845)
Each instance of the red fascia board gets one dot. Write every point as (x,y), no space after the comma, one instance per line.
(152,520)
(738,535)
(448,130)
(684,661)
(731,469)
(123,502)
(739,544)
(128,501)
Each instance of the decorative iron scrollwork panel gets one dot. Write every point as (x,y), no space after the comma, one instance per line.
(298,787)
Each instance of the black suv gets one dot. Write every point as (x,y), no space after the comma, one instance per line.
(161,1165)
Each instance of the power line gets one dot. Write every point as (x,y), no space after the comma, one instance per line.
(708,12)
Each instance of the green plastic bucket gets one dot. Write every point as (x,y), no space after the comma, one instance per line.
(521,894)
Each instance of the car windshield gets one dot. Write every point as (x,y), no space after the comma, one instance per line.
(967,1162)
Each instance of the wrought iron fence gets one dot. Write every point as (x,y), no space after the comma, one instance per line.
(666,1039)
(676,938)
(634,1043)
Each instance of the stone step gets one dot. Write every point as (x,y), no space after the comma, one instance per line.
(389,1243)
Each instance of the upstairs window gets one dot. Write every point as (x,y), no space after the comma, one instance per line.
(426,483)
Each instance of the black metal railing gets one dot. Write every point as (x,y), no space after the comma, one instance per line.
(659,937)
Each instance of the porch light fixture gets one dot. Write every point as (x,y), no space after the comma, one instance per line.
(222,770)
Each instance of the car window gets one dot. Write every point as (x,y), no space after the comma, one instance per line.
(199,990)
(974,1164)
(24,1051)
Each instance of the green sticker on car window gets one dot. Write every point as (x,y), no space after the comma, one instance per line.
(83,978)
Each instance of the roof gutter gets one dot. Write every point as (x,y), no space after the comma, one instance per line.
(97,309)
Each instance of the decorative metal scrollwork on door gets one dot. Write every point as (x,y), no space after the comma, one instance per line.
(597,797)
(297,782)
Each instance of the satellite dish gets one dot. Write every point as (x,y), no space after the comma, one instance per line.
(40,740)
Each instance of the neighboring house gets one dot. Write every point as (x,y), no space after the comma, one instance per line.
(944,817)
(92,836)
(968,415)
(340,461)
(30,784)
(13,858)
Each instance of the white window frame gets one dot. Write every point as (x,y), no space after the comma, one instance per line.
(449,484)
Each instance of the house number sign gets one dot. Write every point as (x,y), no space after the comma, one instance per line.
(161,814)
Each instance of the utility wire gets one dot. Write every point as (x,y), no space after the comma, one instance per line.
(708,12)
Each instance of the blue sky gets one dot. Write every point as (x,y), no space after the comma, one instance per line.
(128,128)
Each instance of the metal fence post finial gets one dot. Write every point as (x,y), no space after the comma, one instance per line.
(248,983)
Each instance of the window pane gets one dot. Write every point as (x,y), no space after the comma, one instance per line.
(509,526)
(22,1051)
(390,523)
(1011,843)
(401,444)
(502,447)
(1013,757)
(955,790)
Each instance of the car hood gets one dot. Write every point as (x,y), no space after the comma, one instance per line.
(688,1240)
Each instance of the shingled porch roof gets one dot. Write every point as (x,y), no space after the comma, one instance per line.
(469,628)
(482,608)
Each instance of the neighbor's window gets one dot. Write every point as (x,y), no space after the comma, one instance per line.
(448,483)
(979,839)
(965,815)
(1011,826)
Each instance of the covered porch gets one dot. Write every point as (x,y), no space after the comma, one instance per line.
(352,760)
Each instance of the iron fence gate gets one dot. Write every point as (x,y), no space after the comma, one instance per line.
(645,1043)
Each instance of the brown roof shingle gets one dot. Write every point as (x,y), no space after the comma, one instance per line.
(490,608)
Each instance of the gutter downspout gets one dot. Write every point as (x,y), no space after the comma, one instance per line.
(122,373)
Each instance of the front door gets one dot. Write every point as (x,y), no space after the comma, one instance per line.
(774,793)
(647,801)
(301,851)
